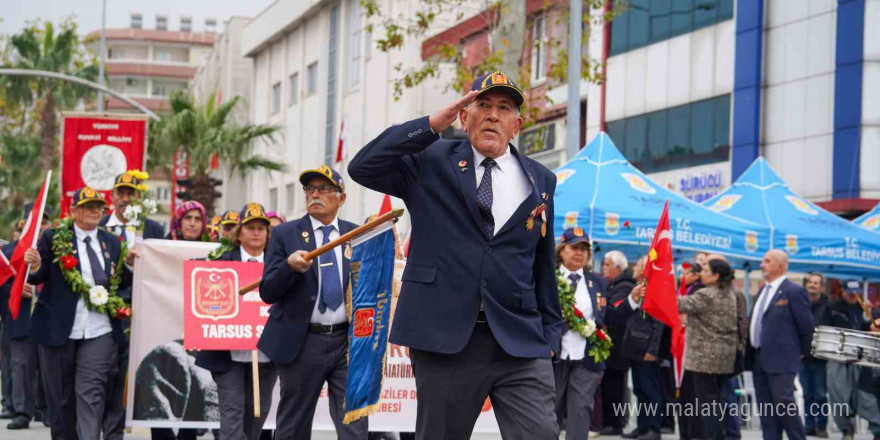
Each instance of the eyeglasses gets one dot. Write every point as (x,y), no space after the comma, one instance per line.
(323,189)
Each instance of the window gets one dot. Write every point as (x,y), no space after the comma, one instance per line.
(312,79)
(539,48)
(186,24)
(165,87)
(273,199)
(162,55)
(293,87)
(276,98)
(644,22)
(115,54)
(291,197)
(161,23)
(693,134)
(354,43)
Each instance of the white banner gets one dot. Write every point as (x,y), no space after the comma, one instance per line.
(166,389)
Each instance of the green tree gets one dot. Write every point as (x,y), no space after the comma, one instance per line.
(42,47)
(204,132)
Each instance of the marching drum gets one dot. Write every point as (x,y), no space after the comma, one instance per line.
(847,346)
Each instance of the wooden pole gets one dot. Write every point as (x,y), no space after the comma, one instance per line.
(255,369)
(351,235)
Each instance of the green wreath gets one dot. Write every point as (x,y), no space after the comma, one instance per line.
(600,341)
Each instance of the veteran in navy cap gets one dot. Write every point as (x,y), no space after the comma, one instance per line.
(78,342)
(479,299)
(306,333)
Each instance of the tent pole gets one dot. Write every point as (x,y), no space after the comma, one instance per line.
(748,292)
(865,288)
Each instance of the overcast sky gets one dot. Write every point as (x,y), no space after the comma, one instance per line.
(15,13)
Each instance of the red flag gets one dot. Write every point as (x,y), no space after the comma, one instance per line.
(340,147)
(29,235)
(660,301)
(386,205)
(6,269)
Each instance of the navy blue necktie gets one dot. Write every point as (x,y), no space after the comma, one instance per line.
(331,285)
(484,198)
(98,273)
(574,278)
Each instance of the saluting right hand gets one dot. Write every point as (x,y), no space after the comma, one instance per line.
(298,262)
(446,116)
(32,257)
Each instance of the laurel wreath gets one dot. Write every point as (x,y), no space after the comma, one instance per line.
(62,248)
(600,341)
(225,246)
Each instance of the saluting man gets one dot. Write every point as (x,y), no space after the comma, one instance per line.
(306,334)
(479,307)
(77,342)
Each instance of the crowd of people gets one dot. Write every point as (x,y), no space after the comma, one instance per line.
(491,305)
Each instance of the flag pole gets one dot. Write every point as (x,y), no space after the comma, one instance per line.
(255,372)
(354,233)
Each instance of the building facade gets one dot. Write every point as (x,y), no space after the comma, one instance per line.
(316,69)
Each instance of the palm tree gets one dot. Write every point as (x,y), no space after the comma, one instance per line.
(40,48)
(205,132)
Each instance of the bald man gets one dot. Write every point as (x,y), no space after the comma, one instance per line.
(780,333)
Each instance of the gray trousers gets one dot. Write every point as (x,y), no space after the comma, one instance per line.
(575,389)
(114,411)
(24,377)
(235,391)
(322,358)
(75,377)
(5,371)
(452,388)
(843,389)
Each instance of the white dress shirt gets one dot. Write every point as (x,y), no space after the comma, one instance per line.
(573,344)
(116,225)
(510,185)
(761,307)
(88,324)
(339,315)
(246,355)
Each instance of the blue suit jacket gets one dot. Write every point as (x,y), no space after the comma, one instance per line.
(598,287)
(291,294)
(14,329)
(452,267)
(786,330)
(53,315)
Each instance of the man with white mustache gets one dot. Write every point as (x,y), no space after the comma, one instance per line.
(306,334)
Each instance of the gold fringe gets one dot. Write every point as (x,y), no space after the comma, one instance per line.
(369,410)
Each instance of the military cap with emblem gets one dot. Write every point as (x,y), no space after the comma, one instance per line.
(253,211)
(852,286)
(326,172)
(574,236)
(126,180)
(230,217)
(499,80)
(85,195)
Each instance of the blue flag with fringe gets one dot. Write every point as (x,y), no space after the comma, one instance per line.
(369,307)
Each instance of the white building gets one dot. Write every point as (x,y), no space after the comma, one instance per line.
(315,67)
(227,74)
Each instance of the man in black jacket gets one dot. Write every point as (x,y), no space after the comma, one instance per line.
(812,374)
(620,285)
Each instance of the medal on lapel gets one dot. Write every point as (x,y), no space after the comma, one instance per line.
(463,165)
(543,229)
(305,236)
(530,224)
(590,284)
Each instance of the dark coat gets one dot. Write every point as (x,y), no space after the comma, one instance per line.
(452,267)
(616,317)
(821,316)
(14,329)
(291,294)
(52,319)
(787,330)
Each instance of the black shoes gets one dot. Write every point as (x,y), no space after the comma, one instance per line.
(19,423)
(608,430)
(6,414)
(634,434)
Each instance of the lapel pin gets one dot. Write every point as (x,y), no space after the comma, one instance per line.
(106,255)
(463,165)
(305,236)
(543,229)
(590,284)
(530,224)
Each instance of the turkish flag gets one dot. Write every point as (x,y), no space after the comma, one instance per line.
(6,269)
(660,297)
(386,205)
(28,239)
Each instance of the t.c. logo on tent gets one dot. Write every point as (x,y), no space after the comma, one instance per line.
(725,202)
(637,183)
(563,175)
(791,243)
(612,223)
(801,205)
(751,241)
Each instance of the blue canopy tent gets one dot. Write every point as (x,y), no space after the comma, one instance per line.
(870,220)
(618,206)
(815,239)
